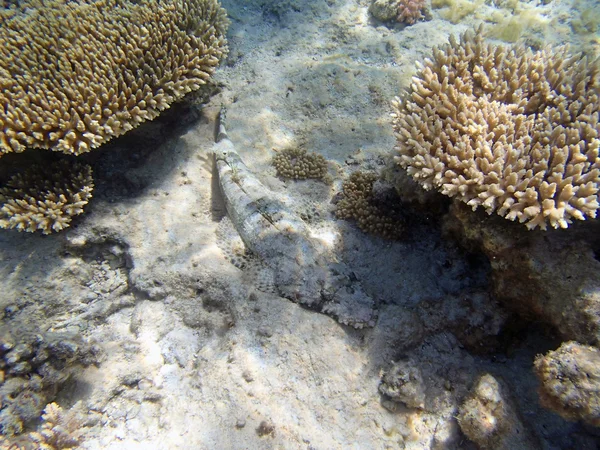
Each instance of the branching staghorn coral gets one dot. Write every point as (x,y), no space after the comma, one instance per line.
(75,74)
(410,11)
(508,129)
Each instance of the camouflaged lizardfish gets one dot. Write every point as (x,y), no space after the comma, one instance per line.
(303,268)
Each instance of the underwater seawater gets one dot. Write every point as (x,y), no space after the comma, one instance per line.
(318,224)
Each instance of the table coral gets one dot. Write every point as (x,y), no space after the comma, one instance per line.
(76,74)
(73,75)
(511,130)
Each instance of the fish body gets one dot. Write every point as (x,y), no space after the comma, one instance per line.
(304,270)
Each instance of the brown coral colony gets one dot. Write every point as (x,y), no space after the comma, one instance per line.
(298,164)
(357,202)
(410,11)
(74,75)
(508,129)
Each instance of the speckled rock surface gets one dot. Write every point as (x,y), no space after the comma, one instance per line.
(551,276)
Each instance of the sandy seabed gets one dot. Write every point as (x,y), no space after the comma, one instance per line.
(189,353)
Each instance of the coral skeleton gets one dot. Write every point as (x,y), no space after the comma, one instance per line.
(570,381)
(489,417)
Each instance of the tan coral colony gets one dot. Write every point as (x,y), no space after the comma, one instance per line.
(73,75)
(509,129)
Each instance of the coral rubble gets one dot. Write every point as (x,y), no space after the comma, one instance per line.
(33,365)
(403,383)
(489,417)
(507,129)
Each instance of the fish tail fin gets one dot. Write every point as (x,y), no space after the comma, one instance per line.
(220,132)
